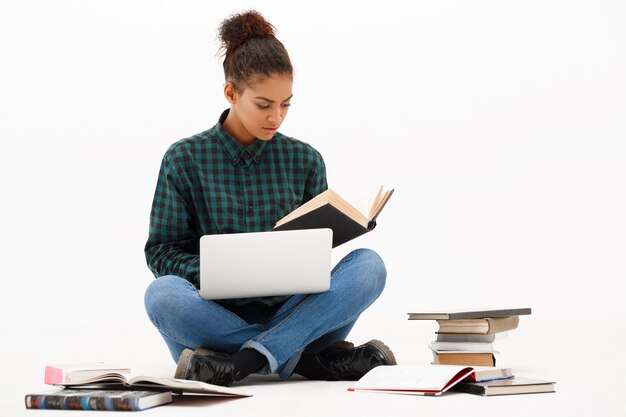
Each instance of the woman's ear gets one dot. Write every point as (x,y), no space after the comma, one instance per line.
(230,93)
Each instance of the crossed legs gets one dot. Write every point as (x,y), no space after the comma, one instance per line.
(302,324)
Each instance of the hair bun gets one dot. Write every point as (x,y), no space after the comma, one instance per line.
(240,27)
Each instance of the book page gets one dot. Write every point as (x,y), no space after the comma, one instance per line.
(327,197)
(372,203)
(367,200)
(413,378)
(108,377)
(185,385)
(79,372)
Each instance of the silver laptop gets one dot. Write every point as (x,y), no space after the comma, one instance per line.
(242,265)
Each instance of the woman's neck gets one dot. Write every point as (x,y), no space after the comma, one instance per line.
(235,128)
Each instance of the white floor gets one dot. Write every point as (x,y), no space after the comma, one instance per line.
(584,356)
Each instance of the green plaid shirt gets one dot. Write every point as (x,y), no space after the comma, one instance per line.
(210,184)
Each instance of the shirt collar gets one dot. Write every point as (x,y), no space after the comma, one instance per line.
(234,150)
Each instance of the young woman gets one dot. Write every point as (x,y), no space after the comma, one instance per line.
(242,175)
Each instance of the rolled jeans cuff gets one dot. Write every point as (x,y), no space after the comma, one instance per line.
(284,372)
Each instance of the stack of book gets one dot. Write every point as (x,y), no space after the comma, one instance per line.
(463,359)
(466,337)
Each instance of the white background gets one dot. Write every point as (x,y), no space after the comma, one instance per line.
(501,125)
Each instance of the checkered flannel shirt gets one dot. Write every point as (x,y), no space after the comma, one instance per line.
(210,184)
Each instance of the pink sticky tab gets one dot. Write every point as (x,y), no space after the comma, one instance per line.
(53,375)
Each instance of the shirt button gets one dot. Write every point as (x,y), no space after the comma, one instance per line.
(235,160)
(246,172)
(251,208)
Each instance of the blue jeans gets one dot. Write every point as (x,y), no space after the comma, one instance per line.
(303,323)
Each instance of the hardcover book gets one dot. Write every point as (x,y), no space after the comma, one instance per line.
(464,358)
(469,314)
(109,400)
(479,326)
(330,210)
(467,337)
(459,346)
(516,385)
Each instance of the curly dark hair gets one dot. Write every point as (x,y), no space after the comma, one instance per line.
(251,50)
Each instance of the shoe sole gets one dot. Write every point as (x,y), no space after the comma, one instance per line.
(184,361)
(391,359)
(183,364)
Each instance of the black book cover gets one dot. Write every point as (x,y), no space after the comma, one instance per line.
(470,314)
(344,228)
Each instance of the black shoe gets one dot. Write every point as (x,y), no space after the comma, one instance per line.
(204,365)
(345,362)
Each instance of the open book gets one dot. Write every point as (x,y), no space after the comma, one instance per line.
(425,380)
(94,375)
(330,210)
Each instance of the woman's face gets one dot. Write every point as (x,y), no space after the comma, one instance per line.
(261,108)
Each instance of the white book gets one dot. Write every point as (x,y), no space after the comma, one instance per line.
(468,337)
(461,346)
(412,380)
